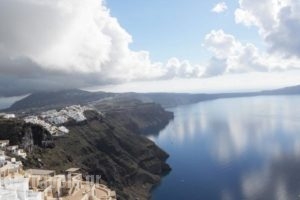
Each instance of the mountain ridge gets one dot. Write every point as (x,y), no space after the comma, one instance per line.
(58,99)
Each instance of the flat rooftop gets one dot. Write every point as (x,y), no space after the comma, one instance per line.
(40,172)
(72,170)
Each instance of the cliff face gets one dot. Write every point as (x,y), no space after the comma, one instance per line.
(25,135)
(112,146)
(139,118)
(129,163)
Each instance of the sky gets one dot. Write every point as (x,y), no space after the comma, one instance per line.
(181,27)
(158,45)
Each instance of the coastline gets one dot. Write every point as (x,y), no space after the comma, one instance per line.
(116,148)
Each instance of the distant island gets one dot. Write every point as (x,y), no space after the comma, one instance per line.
(58,99)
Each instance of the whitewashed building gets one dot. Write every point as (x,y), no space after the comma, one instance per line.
(7,116)
(12,149)
(4,143)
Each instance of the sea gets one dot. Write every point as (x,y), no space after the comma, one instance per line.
(233,149)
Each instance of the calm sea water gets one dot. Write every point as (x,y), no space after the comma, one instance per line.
(6,102)
(243,148)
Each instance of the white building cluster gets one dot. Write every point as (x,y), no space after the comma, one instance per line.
(75,112)
(13,149)
(52,120)
(52,129)
(13,184)
(7,116)
(37,184)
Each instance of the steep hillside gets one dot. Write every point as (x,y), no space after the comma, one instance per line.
(129,163)
(109,146)
(140,118)
(25,135)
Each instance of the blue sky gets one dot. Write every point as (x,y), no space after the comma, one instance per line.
(176,28)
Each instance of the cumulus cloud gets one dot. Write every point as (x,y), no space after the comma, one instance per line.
(215,67)
(231,56)
(70,43)
(59,44)
(278,22)
(184,69)
(220,7)
(221,44)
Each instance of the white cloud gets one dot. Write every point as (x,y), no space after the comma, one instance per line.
(278,22)
(232,56)
(252,81)
(215,67)
(220,7)
(184,69)
(71,36)
(221,44)
(54,42)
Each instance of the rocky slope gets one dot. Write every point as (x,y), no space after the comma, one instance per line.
(111,146)
(27,136)
(140,118)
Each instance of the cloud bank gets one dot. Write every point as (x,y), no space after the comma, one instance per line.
(56,44)
(278,24)
(49,44)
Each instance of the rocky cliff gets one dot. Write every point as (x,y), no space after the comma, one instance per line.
(139,118)
(27,136)
(111,146)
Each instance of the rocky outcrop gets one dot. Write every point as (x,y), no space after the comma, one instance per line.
(23,134)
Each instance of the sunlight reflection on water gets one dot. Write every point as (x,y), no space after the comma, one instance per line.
(6,102)
(243,148)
